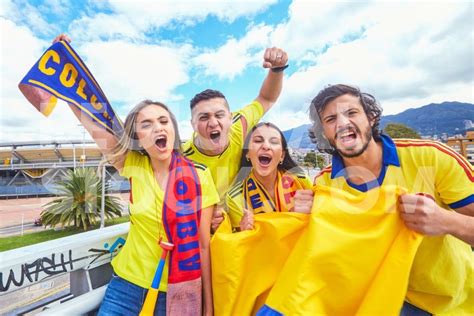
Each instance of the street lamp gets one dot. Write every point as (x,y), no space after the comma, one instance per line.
(83,156)
(102,204)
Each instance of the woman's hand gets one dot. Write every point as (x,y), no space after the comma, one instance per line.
(303,200)
(247,221)
(217,218)
(62,37)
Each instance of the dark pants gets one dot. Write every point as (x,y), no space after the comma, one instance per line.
(125,298)
(412,310)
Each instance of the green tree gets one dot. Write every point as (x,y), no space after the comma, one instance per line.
(314,160)
(79,202)
(396,130)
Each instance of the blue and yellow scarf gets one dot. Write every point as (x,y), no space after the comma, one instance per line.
(60,73)
(258,200)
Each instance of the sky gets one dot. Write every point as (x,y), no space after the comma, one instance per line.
(406,53)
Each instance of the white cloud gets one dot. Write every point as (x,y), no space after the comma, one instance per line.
(20,49)
(58,7)
(5,7)
(25,123)
(231,59)
(105,26)
(462,92)
(185,129)
(127,72)
(406,55)
(130,72)
(313,25)
(286,119)
(20,121)
(22,12)
(132,20)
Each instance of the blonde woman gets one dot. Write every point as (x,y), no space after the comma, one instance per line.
(171,200)
(148,155)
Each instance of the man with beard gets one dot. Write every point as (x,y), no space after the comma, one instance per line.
(439,205)
(219,135)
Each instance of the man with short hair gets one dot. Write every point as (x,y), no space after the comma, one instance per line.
(219,135)
(440,202)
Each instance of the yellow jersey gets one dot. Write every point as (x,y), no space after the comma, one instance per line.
(224,167)
(138,259)
(442,276)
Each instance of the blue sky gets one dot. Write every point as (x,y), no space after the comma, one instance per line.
(406,53)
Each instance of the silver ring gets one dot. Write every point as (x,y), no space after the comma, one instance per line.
(279,56)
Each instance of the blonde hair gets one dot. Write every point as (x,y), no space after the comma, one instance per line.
(129,140)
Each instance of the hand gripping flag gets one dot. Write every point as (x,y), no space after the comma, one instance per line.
(354,258)
(351,256)
(60,73)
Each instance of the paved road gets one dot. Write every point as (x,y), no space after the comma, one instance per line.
(15,212)
(19,230)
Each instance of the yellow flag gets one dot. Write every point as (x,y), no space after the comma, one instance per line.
(245,265)
(351,256)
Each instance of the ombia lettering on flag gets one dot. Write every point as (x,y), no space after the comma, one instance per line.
(60,73)
(352,256)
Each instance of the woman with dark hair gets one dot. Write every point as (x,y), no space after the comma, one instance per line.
(268,178)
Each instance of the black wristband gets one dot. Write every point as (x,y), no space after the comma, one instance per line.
(279,69)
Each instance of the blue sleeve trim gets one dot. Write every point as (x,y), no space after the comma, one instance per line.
(265,310)
(463,202)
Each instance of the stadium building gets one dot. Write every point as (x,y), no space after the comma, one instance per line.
(30,169)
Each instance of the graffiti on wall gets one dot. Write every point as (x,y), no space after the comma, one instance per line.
(53,264)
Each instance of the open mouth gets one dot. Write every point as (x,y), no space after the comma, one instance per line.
(215,136)
(264,160)
(347,135)
(161,142)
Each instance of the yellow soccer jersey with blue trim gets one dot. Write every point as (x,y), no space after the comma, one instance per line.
(138,259)
(442,276)
(225,166)
(235,201)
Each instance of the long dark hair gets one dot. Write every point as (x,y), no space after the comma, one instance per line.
(371,107)
(288,165)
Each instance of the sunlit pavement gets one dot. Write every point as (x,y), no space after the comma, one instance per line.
(18,215)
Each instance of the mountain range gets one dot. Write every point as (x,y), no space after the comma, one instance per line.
(433,119)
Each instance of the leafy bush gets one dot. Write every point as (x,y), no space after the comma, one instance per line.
(79,202)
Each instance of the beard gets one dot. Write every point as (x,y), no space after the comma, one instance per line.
(368,138)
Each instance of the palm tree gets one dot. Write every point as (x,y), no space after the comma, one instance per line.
(80,201)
